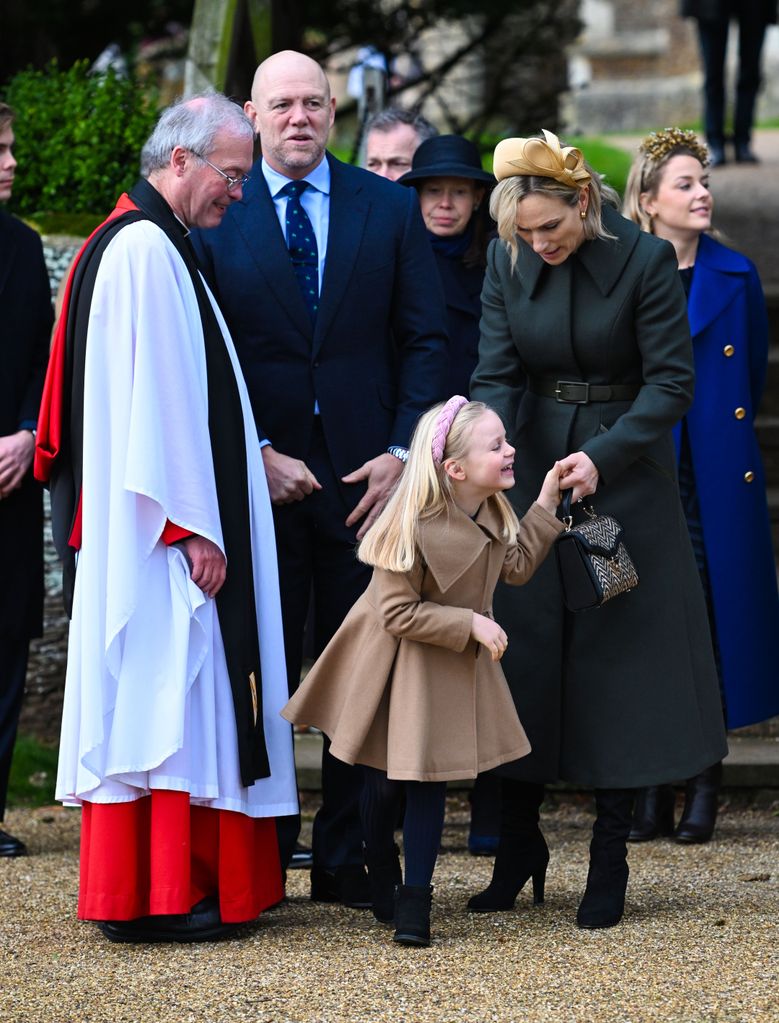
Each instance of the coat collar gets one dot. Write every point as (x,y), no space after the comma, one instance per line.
(716,280)
(603,259)
(451,541)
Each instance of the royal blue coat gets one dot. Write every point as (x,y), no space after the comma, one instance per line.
(729,327)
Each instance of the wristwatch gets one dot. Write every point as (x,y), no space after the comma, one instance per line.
(398,452)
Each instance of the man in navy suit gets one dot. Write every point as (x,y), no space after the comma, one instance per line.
(342,341)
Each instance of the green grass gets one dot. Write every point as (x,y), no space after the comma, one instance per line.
(33,773)
(610,161)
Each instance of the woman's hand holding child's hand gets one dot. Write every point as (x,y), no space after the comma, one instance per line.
(550,495)
(487,632)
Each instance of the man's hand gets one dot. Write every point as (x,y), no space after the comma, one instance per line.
(208,567)
(381,473)
(578,471)
(16,451)
(289,479)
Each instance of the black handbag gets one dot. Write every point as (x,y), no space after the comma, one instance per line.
(592,559)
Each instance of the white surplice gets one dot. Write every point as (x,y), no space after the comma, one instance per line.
(147,696)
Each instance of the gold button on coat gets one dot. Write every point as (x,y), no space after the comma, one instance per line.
(749,476)
(728,350)
(740,413)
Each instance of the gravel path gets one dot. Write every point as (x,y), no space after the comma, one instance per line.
(699,943)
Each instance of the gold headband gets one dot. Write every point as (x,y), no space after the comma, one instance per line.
(545,158)
(658,144)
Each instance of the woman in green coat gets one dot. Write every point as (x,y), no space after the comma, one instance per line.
(585,352)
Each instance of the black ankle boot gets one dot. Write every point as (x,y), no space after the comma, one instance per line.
(604,898)
(653,814)
(412,914)
(701,800)
(384,875)
(522,851)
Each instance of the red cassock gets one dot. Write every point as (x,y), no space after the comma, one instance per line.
(158,854)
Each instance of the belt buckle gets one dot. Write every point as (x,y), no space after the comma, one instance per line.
(583,384)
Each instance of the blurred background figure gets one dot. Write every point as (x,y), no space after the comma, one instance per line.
(392,136)
(25,325)
(714,18)
(453,192)
(721,478)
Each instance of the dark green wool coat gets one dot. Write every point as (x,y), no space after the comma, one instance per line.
(623,695)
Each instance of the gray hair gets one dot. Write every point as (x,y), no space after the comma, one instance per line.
(386,120)
(193,124)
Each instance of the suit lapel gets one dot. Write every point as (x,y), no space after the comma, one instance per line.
(259,226)
(348,215)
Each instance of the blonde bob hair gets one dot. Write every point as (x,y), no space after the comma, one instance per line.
(423,490)
(509,192)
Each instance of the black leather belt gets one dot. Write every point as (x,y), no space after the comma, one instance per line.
(580,392)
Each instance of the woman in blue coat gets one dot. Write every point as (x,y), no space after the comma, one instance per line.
(720,470)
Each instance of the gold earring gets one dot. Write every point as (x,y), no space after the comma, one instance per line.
(583,214)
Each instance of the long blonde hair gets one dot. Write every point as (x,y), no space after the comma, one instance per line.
(423,490)
(509,192)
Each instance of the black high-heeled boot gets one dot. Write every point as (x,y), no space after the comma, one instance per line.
(653,814)
(412,914)
(384,875)
(522,851)
(604,898)
(701,802)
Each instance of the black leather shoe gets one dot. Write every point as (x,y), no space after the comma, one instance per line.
(202,923)
(716,154)
(347,884)
(302,858)
(744,153)
(10,846)
(653,815)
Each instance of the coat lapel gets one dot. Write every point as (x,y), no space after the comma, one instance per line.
(261,231)
(348,215)
(716,280)
(605,259)
(451,541)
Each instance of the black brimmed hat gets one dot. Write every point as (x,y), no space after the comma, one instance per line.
(446,156)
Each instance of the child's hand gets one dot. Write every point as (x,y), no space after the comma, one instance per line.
(487,632)
(550,495)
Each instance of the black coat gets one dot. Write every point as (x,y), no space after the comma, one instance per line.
(627,694)
(719,10)
(25,327)
(462,290)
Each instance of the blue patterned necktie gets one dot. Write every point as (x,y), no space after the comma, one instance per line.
(301,242)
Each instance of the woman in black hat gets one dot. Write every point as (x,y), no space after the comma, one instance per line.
(447,173)
(453,196)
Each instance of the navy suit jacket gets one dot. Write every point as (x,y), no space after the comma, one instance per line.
(377,356)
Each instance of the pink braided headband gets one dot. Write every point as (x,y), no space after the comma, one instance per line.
(443,425)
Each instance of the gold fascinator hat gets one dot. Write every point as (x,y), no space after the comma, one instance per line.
(658,144)
(545,158)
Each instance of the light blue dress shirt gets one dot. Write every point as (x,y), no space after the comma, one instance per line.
(315,201)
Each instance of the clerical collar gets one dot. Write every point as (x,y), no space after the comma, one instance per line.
(186,231)
(319,178)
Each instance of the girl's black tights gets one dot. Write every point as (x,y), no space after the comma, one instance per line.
(423,823)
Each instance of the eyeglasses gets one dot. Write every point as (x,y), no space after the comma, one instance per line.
(232,183)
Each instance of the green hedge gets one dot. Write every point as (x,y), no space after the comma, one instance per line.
(78,138)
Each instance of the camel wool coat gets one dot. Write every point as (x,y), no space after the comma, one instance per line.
(402,686)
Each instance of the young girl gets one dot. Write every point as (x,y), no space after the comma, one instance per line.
(405,687)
